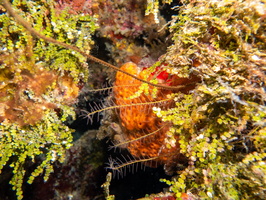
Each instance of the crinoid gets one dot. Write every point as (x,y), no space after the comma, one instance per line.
(144,134)
(137,92)
(138,129)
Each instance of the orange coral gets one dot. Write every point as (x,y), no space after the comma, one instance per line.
(145,133)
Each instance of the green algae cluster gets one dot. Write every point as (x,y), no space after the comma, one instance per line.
(221,124)
(39,83)
(45,141)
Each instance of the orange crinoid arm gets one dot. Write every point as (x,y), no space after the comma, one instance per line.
(144,131)
(145,134)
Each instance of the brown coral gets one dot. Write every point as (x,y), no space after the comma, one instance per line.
(28,90)
(28,103)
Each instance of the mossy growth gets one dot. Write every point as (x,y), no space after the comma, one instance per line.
(221,124)
(39,83)
(49,19)
(153,8)
(47,140)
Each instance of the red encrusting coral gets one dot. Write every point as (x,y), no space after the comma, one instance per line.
(76,6)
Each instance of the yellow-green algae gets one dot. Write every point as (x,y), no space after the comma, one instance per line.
(221,124)
(38,85)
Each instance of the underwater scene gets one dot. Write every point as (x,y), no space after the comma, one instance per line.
(132,99)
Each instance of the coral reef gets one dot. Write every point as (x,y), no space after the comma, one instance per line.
(24,97)
(76,6)
(144,134)
(215,120)
(221,125)
(129,31)
(78,177)
(166,196)
(39,84)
